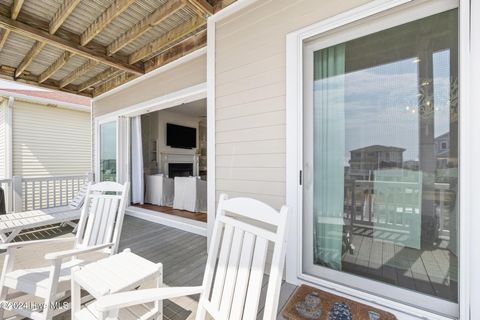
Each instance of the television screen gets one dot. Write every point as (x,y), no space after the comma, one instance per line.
(181,137)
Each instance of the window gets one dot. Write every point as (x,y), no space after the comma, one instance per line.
(388,220)
(108,151)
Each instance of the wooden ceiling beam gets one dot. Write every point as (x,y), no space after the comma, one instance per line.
(34,28)
(167,39)
(179,50)
(62,14)
(8,72)
(54,67)
(220,4)
(159,15)
(16,7)
(102,76)
(191,44)
(116,81)
(3,38)
(77,73)
(34,51)
(115,9)
(202,6)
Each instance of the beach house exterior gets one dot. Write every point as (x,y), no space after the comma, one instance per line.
(44,134)
(45,143)
(359,115)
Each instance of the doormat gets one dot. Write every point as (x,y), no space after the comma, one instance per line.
(308,303)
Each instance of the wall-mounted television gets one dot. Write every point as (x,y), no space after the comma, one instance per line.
(181,137)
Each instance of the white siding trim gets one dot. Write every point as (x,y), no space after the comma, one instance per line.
(211,143)
(9,138)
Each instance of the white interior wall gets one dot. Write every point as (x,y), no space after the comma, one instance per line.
(154,128)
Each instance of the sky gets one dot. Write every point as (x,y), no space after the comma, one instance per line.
(6,84)
(380,105)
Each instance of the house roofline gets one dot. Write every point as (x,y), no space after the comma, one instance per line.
(45,101)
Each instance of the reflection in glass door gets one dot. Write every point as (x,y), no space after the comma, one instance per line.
(108,151)
(381,159)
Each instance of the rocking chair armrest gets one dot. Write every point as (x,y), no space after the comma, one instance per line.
(75,252)
(131,298)
(16,245)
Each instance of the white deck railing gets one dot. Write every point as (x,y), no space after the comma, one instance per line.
(6,185)
(30,193)
(363,212)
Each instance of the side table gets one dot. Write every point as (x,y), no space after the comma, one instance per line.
(121,272)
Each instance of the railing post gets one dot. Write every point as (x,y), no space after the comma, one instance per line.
(17,192)
(90,176)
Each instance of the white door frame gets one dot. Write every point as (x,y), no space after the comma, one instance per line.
(169,100)
(294,116)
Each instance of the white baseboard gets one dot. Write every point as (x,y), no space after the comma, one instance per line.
(192,226)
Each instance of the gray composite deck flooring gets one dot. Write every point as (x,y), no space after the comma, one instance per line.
(182,254)
(432,270)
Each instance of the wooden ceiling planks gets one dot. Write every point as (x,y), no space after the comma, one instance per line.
(53,27)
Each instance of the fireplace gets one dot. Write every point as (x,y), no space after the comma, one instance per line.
(180,170)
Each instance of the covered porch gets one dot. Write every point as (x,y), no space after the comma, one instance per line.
(182,254)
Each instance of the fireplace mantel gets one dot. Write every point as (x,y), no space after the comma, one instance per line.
(168,158)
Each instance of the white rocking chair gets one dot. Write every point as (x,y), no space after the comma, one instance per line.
(231,288)
(98,230)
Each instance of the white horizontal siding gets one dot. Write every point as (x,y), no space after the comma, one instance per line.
(251,108)
(188,74)
(276,160)
(250,94)
(270,132)
(251,121)
(50,141)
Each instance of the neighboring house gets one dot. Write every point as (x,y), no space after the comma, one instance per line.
(44,133)
(442,150)
(364,161)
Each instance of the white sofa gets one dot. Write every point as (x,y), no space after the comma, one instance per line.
(158,190)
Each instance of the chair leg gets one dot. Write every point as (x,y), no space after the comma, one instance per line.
(159,283)
(3,296)
(76,294)
(7,267)
(53,282)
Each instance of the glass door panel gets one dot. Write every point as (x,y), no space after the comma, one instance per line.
(381,158)
(108,151)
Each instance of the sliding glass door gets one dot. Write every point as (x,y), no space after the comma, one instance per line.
(107,160)
(380,209)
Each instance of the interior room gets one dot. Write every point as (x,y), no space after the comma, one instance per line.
(172,170)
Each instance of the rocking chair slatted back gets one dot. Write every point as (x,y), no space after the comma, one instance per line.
(102,215)
(243,230)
